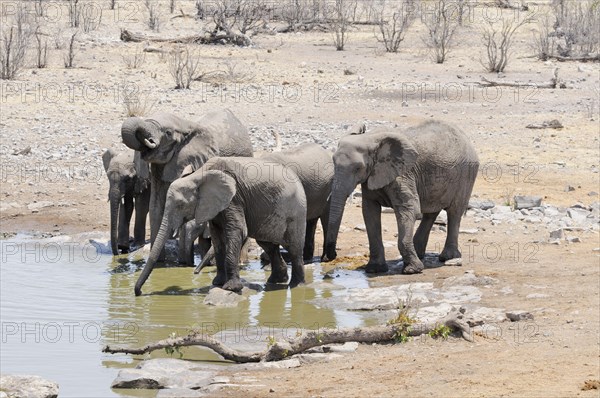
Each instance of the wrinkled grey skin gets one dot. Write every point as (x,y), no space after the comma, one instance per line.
(422,169)
(314,166)
(188,234)
(170,143)
(240,197)
(129,188)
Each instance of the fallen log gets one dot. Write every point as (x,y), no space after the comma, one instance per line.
(555,82)
(584,58)
(308,339)
(207,38)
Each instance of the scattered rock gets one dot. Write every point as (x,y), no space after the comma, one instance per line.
(549,124)
(360,227)
(537,296)
(578,215)
(527,202)
(454,262)
(557,234)
(516,316)
(469,278)
(21,386)
(164,373)
(469,231)
(37,206)
(223,298)
(573,239)
(481,204)
(569,188)
(591,385)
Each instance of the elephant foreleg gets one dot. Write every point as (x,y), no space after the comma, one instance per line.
(372,216)
(406,224)
(235,237)
(422,235)
(124,222)
(142,203)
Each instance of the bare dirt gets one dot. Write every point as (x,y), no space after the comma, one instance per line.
(69,116)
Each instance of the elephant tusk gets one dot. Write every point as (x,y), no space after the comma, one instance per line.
(149,144)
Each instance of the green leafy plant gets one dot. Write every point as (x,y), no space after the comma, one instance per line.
(403,320)
(442,331)
(172,350)
(271,341)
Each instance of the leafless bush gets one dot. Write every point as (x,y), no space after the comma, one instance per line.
(441,24)
(498,43)
(41,49)
(183,66)
(243,15)
(200,9)
(112,4)
(152,6)
(392,30)
(74,13)
(298,13)
(58,39)
(14,42)
(39,8)
(543,41)
(90,16)
(134,60)
(69,56)
(341,21)
(577,27)
(171,6)
(137,103)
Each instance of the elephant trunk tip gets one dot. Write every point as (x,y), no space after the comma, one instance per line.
(138,291)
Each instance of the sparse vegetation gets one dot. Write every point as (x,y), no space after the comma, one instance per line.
(69,56)
(135,59)
(441,24)
(404,320)
(442,331)
(41,49)
(184,66)
(498,43)
(15,40)
(153,9)
(393,29)
(341,21)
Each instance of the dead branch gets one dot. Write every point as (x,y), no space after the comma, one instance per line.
(307,340)
(555,82)
(586,58)
(509,5)
(549,124)
(208,38)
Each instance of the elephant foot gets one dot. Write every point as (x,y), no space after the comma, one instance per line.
(124,249)
(233,285)
(449,253)
(376,268)
(330,253)
(413,267)
(295,282)
(278,278)
(219,280)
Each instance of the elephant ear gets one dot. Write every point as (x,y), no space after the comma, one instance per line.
(359,128)
(107,157)
(187,170)
(394,156)
(215,191)
(142,171)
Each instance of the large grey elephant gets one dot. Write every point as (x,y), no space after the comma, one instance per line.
(129,188)
(170,143)
(240,197)
(314,166)
(422,169)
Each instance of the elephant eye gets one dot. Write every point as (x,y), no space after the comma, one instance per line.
(169,132)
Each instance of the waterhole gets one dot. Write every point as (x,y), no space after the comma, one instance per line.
(63,299)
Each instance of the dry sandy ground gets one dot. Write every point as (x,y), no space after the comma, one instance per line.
(553,357)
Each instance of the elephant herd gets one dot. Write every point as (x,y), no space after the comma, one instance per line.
(202,180)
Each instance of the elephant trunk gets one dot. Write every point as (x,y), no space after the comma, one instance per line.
(115,202)
(137,134)
(339,195)
(164,233)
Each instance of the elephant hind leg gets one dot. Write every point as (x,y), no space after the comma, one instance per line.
(451,246)
(278,266)
(422,235)
(297,265)
(309,240)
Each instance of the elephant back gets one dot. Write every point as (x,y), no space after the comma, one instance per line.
(228,132)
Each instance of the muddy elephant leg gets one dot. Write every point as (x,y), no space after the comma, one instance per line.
(278,266)
(309,240)
(297,265)
(422,235)
(124,222)
(451,246)
(218,244)
(406,224)
(235,237)
(372,216)
(142,203)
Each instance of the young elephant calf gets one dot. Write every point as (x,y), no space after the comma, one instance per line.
(240,197)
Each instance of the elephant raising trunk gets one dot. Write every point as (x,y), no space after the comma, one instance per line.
(136,131)
(164,233)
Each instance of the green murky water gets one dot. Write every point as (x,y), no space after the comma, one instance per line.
(61,301)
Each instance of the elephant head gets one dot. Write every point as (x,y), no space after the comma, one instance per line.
(376,159)
(164,137)
(201,195)
(127,174)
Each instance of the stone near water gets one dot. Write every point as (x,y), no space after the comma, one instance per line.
(527,202)
(165,373)
(17,386)
(516,316)
(223,298)
(179,393)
